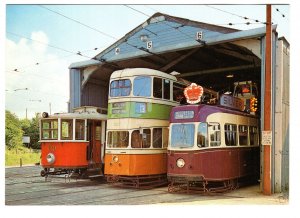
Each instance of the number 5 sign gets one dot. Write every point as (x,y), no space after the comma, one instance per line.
(149,45)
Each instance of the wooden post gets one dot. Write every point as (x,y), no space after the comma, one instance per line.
(21,162)
(267,104)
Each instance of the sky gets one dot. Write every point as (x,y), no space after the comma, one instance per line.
(39,71)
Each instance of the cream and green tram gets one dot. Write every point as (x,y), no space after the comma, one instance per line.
(139,106)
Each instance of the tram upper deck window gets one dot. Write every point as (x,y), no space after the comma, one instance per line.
(49,129)
(118,139)
(161,88)
(120,88)
(243,135)
(182,135)
(202,135)
(142,86)
(79,130)
(66,129)
(230,134)
(215,134)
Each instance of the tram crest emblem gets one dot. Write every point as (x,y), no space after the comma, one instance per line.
(193,93)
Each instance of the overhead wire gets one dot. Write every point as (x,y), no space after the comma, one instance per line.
(92,28)
(79,53)
(237,15)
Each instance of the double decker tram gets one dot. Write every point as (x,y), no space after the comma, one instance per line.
(139,106)
(73,143)
(212,147)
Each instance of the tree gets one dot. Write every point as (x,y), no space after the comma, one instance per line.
(31,129)
(13,131)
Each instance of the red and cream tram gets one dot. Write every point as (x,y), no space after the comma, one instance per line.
(73,143)
(212,147)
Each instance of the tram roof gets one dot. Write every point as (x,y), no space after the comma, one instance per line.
(175,48)
(78,116)
(139,72)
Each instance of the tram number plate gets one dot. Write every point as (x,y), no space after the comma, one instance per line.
(266,137)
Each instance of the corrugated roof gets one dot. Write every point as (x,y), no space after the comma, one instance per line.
(164,31)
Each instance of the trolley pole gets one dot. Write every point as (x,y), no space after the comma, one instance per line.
(267,104)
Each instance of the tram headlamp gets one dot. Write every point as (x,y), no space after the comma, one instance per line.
(115,158)
(180,163)
(50,158)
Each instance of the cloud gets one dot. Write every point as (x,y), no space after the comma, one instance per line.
(47,81)
(40,42)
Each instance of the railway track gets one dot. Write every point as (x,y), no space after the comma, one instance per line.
(36,191)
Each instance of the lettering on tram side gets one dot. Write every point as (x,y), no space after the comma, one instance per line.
(232,102)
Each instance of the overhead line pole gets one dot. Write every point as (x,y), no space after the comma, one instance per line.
(267,103)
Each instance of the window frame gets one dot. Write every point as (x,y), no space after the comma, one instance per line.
(231,133)
(50,129)
(120,88)
(206,136)
(191,146)
(150,86)
(216,133)
(116,131)
(76,128)
(247,134)
(70,129)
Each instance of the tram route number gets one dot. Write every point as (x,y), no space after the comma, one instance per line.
(266,137)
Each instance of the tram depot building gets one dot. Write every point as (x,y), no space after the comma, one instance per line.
(208,55)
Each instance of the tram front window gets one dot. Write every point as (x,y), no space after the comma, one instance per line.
(142,86)
(120,88)
(49,129)
(118,139)
(182,135)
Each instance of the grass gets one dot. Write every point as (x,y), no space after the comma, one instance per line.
(28,156)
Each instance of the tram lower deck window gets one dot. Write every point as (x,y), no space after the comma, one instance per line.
(118,139)
(66,129)
(215,134)
(141,140)
(182,135)
(253,135)
(79,130)
(230,134)
(243,135)
(49,129)
(202,135)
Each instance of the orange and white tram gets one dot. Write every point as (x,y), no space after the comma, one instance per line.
(73,143)
(139,105)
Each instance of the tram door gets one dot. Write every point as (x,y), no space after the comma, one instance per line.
(94,153)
